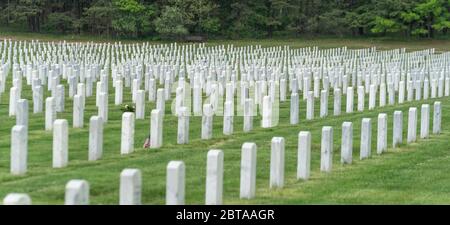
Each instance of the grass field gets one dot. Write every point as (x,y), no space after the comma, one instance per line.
(413,174)
(441,44)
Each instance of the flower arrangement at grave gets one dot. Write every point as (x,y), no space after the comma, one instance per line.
(128,108)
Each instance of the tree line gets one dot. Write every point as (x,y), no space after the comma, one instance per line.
(228,18)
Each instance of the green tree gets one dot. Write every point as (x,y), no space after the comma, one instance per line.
(247,18)
(171,23)
(383,25)
(59,22)
(199,15)
(131,17)
(432,15)
(229,18)
(359,16)
(410,19)
(29,12)
(277,15)
(97,19)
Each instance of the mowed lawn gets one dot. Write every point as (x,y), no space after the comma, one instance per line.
(440,44)
(417,173)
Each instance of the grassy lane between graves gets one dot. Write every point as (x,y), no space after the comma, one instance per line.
(384,43)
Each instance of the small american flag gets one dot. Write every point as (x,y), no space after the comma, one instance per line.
(147,142)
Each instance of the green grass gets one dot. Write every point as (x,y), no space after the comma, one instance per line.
(413,174)
(442,44)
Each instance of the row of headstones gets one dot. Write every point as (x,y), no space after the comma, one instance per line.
(157,115)
(183,125)
(437,89)
(436,85)
(68,52)
(139,98)
(294,52)
(65,73)
(267,108)
(102,86)
(89,47)
(116,55)
(195,67)
(316,95)
(162,95)
(57,90)
(77,191)
(260,86)
(290,52)
(103,83)
(383,97)
(57,101)
(173,47)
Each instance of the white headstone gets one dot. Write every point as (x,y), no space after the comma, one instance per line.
(60,143)
(183,126)
(14,96)
(410,91)
(323,103)
(382,94)
(361,95)
(277,163)
(294,108)
(372,96)
(366,138)
(197,100)
(156,129)
(310,105)
(118,95)
(77,193)
(437,118)
(214,177)
(95,138)
(207,121)
(103,106)
(22,112)
(152,90)
(401,92)
(248,115)
(412,125)
(127,134)
(349,108)
(397,129)
(347,143)
(282,90)
(175,183)
(382,133)
(160,100)
(130,187)
(337,102)
(38,99)
(17,199)
(228,118)
(50,113)
(391,93)
(304,155)
(326,158)
(425,121)
(78,111)
(19,149)
(59,98)
(266,121)
(248,170)
(140,104)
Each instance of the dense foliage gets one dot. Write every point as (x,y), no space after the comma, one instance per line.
(229,18)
